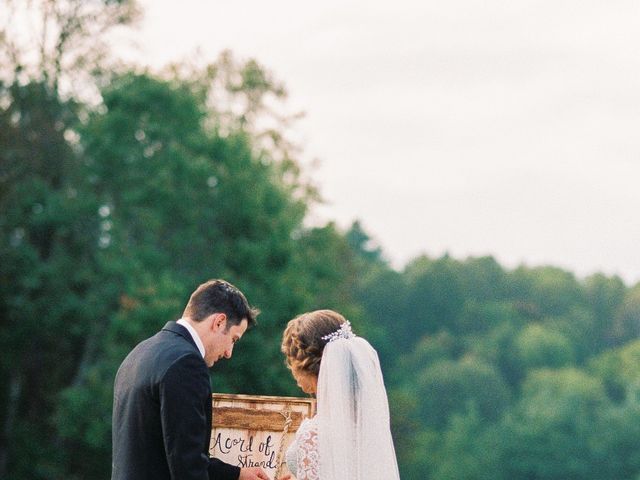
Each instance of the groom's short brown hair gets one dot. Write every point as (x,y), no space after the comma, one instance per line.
(219,296)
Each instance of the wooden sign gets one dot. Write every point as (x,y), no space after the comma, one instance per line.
(255,431)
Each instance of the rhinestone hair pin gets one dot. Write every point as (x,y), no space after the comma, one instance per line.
(343,332)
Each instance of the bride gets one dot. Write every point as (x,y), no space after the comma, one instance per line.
(349,438)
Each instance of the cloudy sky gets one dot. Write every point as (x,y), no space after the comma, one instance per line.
(472,127)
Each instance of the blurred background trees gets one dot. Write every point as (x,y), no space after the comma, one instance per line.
(122,189)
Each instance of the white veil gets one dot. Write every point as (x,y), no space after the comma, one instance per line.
(353,414)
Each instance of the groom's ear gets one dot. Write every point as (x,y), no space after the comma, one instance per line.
(219,322)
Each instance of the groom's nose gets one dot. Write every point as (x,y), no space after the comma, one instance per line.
(228,352)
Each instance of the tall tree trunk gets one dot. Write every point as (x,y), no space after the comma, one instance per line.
(88,355)
(15,391)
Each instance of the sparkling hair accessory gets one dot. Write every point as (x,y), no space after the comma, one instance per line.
(343,332)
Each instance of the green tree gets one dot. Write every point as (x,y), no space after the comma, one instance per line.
(471,449)
(550,429)
(615,447)
(450,387)
(545,291)
(626,324)
(539,347)
(430,350)
(484,280)
(479,317)
(363,245)
(49,268)
(435,296)
(619,370)
(381,292)
(605,297)
(496,348)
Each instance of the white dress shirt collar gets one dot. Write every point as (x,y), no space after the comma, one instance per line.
(194,334)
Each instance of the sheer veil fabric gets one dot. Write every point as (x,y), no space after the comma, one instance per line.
(353,414)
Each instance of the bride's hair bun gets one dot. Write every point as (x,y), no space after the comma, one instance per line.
(302,342)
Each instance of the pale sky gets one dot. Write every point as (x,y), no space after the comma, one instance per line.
(506,128)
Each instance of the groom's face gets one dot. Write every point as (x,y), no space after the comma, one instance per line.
(223,339)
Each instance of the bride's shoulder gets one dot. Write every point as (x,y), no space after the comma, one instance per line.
(308,424)
(307,434)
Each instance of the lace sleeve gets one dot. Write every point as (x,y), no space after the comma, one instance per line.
(308,467)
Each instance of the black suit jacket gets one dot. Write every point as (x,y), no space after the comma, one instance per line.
(162,412)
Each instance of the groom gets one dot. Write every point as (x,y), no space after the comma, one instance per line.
(162,396)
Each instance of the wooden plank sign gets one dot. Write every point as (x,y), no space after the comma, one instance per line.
(255,431)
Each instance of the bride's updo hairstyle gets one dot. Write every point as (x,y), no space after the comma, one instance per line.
(302,342)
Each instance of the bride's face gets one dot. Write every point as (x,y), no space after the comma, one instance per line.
(307,382)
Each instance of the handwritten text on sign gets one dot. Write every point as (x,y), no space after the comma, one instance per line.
(245,448)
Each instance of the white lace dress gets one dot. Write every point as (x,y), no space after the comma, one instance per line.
(302,455)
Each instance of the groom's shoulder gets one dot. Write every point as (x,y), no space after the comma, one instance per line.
(171,341)
(166,345)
